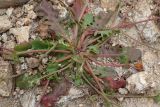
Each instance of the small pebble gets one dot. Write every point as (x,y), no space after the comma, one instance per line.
(14,93)
(130,14)
(80,105)
(24,66)
(38,97)
(70,1)
(120,99)
(21,92)
(4,37)
(9,11)
(17,89)
(31,15)
(122,91)
(22,60)
(44,60)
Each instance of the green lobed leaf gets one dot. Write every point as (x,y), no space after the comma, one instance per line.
(39,44)
(77,58)
(15,57)
(104,33)
(78,80)
(105,72)
(23,47)
(27,81)
(123,59)
(94,49)
(130,54)
(62,45)
(77,76)
(157,98)
(52,67)
(87,20)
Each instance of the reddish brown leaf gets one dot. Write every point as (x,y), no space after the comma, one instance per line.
(102,19)
(46,10)
(50,99)
(115,84)
(77,8)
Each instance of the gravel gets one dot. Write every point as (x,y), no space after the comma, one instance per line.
(5,23)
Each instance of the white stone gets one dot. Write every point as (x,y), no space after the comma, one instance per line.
(4,37)
(44,60)
(21,59)
(28,99)
(32,15)
(120,99)
(123,91)
(9,11)
(24,66)
(142,12)
(63,13)
(70,1)
(21,34)
(138,83)
(5,23)
(28,7)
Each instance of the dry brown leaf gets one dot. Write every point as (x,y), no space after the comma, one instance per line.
(46,10)
(61,89)
(102,19)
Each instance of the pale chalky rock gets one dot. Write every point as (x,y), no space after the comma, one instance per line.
(5,23)
(123,91)
(28,99)
(21,34)
(142,12)
(9,11)
(5,82)
(137,83)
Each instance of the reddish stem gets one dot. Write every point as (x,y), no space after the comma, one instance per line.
(63,59)
(61,51)
(89,69)
(86,33)
(42,51)
(82,12)
(107,55)
(75,34)
(125,25)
